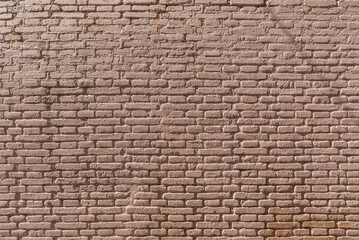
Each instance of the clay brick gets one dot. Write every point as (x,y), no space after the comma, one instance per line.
(320,3)
(107,2)
(34,226)
(145,2)
(179,119)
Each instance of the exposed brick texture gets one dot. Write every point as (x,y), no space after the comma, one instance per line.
(179,119)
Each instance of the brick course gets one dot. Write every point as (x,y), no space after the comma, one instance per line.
(179,119)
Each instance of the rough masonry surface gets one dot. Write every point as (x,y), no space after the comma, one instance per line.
(179,119)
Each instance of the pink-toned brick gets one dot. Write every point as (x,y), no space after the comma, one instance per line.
(179,119)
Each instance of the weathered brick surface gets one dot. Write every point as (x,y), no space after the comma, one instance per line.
(179,119)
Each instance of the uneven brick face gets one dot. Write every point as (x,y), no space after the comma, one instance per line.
(179,119)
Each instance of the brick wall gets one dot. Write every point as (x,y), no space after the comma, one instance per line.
(179,119)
